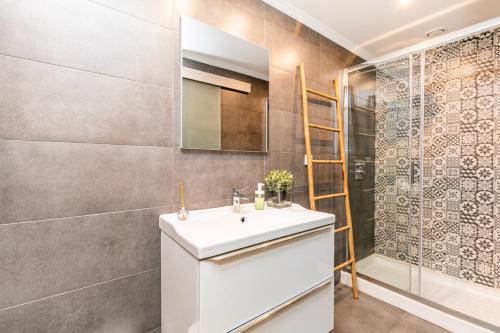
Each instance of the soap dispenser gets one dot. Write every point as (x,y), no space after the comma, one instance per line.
(259,197)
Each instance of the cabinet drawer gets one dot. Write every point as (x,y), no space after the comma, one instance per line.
(312,313)
(238,288)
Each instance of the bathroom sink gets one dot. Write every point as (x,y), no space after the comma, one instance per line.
(210,232)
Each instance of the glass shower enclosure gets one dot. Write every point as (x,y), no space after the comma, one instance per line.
(424,172)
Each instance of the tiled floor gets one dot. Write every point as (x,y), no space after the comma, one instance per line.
(369,315)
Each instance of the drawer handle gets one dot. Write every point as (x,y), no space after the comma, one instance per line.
(280,307)
(266,244)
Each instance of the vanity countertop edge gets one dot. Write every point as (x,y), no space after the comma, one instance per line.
(205,234)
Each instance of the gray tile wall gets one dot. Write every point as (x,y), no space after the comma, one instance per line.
(362,148)
(89,113)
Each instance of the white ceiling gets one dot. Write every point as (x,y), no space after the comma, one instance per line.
(374,28)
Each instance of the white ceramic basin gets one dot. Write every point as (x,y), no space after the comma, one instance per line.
(210,232)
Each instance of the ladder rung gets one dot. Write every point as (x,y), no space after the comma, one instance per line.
(341,228)
(329,196)
(321,94)
(326,128)
(342,265)
(328,161)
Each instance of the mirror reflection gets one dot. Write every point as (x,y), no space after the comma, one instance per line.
(225,90)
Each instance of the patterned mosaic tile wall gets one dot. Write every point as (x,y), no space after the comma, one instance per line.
(462,159)
(392,160)
(461,210)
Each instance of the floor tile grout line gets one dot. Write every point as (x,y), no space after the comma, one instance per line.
(137,17)
(398,321)
(84,70)
(78,289)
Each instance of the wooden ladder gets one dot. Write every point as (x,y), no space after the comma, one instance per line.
(310,161)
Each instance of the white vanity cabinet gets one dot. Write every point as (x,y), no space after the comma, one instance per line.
(271,273)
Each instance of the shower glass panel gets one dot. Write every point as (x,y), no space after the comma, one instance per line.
(424,174)
(461,181)
(382,169)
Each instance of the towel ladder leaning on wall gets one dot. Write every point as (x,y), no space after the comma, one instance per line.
(345,190)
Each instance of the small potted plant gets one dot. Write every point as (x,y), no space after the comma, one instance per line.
(279,184)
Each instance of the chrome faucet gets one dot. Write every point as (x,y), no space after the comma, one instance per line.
(237,196)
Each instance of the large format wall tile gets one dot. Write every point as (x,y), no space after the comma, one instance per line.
(287,51)
(210,176)
(299,172)
(279,160)
(84,35)
(208,12)
(243,19)
(41,180)
(176,117)
(281,130)
(127,305)
(155,11)
(52,256)
(274,16)
(283,52)
(334,58)
(282,89)
(52,103)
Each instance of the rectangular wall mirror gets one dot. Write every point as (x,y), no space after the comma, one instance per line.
(225,90)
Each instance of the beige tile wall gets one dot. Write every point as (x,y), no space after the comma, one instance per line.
(89,113)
